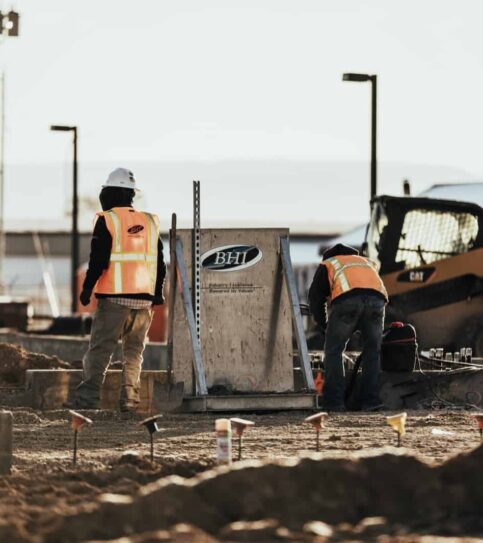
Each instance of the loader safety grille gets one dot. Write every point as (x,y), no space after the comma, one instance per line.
(431,235)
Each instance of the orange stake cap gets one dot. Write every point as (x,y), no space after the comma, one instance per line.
(78,420)
(479,420)
(318,420)
(239,425)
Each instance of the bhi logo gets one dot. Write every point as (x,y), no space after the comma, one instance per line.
(231,258)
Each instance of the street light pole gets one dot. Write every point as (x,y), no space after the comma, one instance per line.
(374,136)
(75,227)
(373,80)
(75,215)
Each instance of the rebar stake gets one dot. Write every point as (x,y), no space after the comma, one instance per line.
(239,425)
(74,460)
(398,423)
(151,425)
(240,446)
(78,421)
(317,421)
(479,422)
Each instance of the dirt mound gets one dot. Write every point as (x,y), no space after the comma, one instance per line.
(398,487)
(15,360)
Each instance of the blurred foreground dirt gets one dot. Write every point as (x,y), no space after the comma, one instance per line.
(332,496)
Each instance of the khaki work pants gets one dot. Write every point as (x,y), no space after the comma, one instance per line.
(111,322)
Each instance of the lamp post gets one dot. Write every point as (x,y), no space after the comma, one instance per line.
(9,28)
(75,213)
(362,78)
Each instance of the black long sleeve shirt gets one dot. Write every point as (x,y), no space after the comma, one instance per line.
(101,245)
(318,293)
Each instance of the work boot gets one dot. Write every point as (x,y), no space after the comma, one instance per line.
(128,411)
(375,408)
(334,408)
(76,403)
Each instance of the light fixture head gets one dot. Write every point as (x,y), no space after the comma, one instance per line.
(356,77)
(62,128)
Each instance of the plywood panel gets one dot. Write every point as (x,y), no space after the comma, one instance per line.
(246,327)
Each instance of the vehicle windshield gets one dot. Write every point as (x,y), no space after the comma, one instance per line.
(429,235)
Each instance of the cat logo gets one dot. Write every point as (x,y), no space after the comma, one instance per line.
(418,275)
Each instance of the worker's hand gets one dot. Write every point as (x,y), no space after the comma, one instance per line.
(158,300)
(85,297)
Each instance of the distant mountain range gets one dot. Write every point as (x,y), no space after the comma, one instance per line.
(307,196)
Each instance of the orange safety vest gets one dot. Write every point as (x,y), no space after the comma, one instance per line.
(134,255)
(347,272)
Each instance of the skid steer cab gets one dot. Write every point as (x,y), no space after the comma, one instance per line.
(430,253)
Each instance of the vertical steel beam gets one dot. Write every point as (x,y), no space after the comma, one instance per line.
(196,257)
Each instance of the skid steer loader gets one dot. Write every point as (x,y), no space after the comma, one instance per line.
(430,253)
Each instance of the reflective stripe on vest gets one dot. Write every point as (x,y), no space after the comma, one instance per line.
(116,249)
(152,246)
(130,271)
(340,282)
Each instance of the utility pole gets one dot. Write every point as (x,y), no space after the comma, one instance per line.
(2,186)
(9,27)
(362,78)
(75,214)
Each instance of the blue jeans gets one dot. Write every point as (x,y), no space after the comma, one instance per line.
(359,312)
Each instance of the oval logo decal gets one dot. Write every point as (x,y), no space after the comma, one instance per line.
(135,229)
(231,258)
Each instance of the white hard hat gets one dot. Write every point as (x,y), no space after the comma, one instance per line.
(121,177)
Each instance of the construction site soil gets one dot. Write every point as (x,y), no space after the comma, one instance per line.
(358,488)
(15,360)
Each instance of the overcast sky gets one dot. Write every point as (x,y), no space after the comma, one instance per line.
(156,80)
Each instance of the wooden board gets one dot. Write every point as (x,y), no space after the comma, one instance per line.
(246,324)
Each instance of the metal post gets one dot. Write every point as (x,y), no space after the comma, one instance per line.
(196,258)
(373,79)
(2,187)
(74,459)
(201,388)
(75,229)
(296,315)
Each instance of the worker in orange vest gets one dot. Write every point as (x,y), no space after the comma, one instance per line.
(348,287)
(126,271)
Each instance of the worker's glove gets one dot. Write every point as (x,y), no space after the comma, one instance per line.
(158,300)
(85,297)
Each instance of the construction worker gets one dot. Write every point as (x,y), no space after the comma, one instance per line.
(126,271)
(349,287)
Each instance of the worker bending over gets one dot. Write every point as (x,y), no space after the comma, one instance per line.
(355,296)
(126,271)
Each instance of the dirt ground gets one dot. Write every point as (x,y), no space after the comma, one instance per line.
(14,360)
(423,490)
